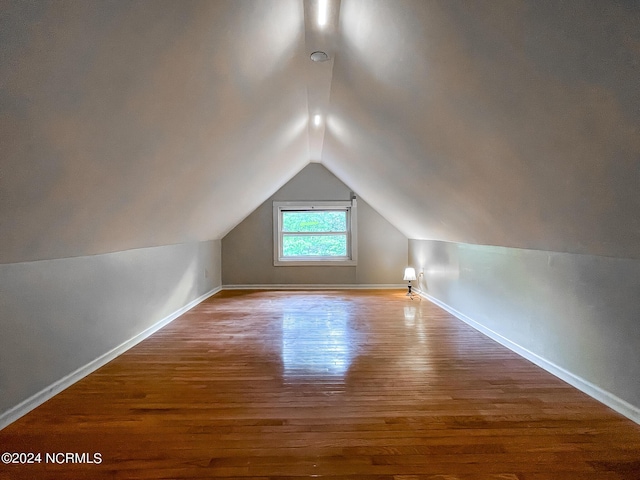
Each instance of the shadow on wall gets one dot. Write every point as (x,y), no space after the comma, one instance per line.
(438,265)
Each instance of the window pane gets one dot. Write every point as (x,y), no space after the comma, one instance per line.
(315,221)
(314,245)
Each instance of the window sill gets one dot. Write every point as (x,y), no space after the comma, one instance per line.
(314,263)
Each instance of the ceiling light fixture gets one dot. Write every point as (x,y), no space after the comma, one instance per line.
(322,12)
(319,56)
(317,119)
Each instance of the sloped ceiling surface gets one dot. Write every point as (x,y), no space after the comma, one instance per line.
(136,123)
(510,123)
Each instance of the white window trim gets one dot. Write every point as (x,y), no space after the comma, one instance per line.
(352,233)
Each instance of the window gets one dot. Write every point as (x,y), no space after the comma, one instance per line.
(314,233)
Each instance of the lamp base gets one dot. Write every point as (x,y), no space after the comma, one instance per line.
(410,293)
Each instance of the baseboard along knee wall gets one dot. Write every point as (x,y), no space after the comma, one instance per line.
(603,396)
(58,386)
(607,398)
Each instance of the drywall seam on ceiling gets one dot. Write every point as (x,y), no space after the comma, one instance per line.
(319,75)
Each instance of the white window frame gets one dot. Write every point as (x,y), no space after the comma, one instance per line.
(352,235)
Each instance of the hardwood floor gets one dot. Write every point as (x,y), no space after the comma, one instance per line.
(359,384)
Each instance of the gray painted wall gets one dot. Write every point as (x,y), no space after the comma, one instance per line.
(247,251)
(580,312)
(59,315)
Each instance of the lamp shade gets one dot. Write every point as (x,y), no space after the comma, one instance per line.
(409,273)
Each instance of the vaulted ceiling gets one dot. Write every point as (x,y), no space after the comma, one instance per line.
(126,124)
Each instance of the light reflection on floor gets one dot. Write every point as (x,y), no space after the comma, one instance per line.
(317,344)
(414,322)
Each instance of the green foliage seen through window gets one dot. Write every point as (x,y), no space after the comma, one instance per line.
(305,223)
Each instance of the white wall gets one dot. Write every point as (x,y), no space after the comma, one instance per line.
(580,313)
(247,251)
(125,124)
(492,123)
(60,315)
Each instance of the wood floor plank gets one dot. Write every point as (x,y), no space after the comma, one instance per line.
(365,385)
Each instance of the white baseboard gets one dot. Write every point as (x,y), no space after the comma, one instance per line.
(58,386)
(609,399)
(306,286)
